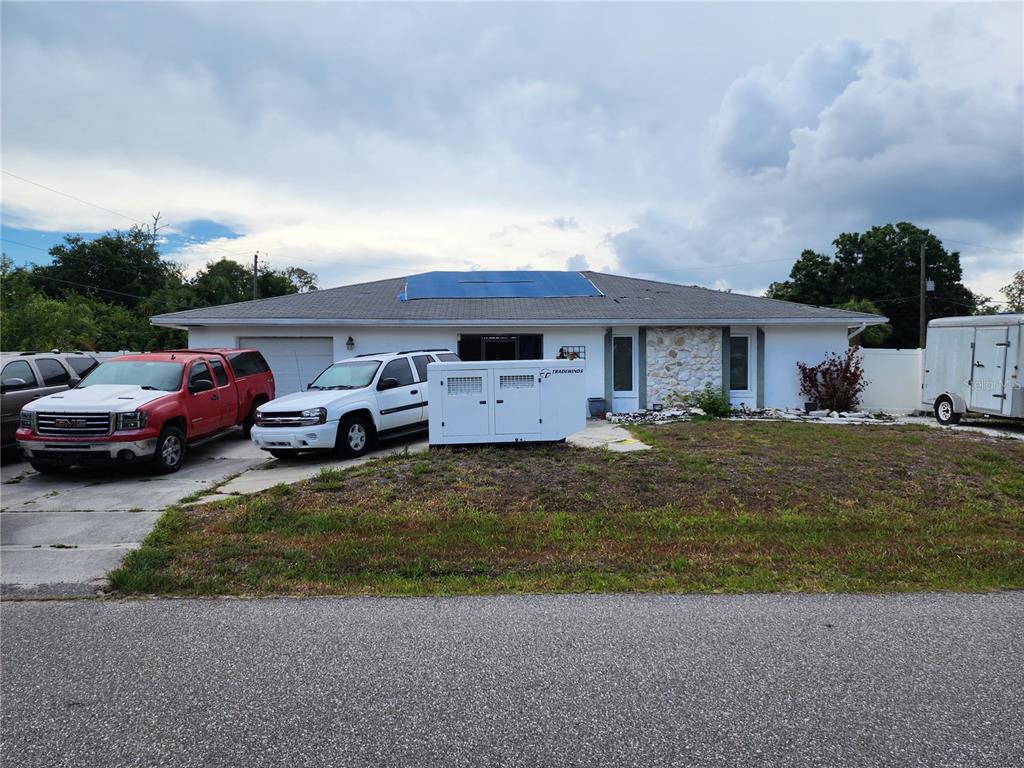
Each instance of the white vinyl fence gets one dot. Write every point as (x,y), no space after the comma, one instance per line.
(894,380)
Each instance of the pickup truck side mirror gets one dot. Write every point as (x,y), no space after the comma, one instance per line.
(200,385)
(387,383)
(12,384)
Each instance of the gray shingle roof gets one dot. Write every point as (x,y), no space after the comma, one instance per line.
(626,300)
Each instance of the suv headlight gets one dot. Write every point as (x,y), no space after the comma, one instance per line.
(28,419)
(133,420)
(315,416)
(259,418)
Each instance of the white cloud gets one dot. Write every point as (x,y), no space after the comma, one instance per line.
(357,139)
(850,136)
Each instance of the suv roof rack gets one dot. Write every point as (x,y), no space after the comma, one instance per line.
(434,349)
(374,354)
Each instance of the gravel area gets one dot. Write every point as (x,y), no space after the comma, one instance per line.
(780,680)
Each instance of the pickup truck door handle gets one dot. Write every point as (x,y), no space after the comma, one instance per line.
(215,397)
(415,391)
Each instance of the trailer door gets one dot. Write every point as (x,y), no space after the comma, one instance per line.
(988,377)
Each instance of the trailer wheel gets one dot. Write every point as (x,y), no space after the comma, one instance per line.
(945,413)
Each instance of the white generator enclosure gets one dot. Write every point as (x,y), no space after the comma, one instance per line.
(509,401)
(975,364)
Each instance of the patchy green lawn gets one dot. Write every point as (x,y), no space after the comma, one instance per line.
(716,506)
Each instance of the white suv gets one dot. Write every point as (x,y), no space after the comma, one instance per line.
(350,405)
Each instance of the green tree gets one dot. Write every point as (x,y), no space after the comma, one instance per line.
(121,267)
(227,282)
(1014,293)
(881,266)
(873,335)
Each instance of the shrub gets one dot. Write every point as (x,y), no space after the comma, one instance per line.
(712,400)
(836,383)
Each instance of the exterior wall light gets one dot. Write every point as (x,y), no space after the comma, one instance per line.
(350,344)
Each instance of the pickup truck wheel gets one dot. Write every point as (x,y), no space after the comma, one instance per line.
(945,414)
(170,451)
(354,437)
(250,420)
(45,468)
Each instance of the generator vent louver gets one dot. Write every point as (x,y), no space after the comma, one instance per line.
(517,381)
(465,385)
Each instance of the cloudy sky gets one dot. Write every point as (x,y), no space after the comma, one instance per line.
(695,143)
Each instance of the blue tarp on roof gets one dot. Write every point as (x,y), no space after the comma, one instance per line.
(497,285)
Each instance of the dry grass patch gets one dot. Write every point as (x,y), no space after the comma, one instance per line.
(717,506)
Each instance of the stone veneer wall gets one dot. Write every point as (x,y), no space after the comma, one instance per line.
(682,359)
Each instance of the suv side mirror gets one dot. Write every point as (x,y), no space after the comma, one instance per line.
(12,384)
(388,383)
(200,385)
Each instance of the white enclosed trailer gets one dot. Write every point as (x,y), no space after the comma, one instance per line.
(974,364)
(507,401)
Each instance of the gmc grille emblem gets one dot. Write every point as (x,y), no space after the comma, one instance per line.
(69,423)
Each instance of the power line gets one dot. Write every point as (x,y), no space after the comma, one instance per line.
(90,287)
(72,197)
(979,245)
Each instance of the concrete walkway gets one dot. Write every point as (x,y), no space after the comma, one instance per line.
(604,434)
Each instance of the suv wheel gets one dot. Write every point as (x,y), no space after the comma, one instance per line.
(170,451)
(945,414)
(354,436)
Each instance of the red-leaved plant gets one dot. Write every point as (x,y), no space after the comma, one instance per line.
(836,383)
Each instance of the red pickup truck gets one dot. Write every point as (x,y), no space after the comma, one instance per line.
(148,407)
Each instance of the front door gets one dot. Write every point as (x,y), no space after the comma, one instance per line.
(204,407)
(465,403)
(988,377)
(625,392)
(402,405)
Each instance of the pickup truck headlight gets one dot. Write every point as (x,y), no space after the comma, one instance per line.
(28,419)
(315,415)
(133,420)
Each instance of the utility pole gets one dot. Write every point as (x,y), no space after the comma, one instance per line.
(923,328)
(256,266)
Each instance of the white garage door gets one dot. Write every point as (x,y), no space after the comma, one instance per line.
(295,362)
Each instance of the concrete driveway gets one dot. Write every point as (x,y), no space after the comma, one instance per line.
(60,535)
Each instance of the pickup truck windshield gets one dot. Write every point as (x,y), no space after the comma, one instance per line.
(145,374)
(350,375)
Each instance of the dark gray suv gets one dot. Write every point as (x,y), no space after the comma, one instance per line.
(30,375)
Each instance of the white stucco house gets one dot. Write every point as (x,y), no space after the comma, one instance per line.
(641,339)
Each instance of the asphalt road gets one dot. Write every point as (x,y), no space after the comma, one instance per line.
(783,680)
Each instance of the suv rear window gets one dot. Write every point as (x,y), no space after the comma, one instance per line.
(247,363)
(421,362)
(82,365)
(54,374)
